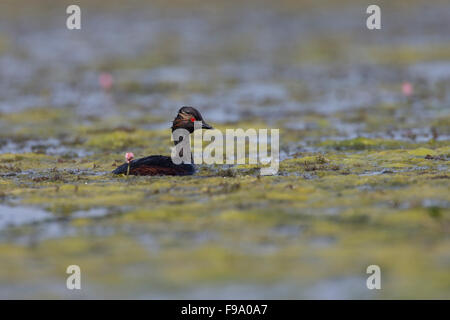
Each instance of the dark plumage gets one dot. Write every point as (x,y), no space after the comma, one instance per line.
(162,165)
(156,165)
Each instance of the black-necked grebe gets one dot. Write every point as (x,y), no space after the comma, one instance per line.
(162,165)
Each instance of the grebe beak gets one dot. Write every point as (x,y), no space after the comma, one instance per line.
(206,126)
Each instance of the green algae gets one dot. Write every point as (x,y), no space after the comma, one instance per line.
(362,144)
(367,219)
(119,140)
(409,54)
(328,214)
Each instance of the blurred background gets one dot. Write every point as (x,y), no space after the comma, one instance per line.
(365,126)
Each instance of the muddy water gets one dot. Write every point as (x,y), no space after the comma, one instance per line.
(363,178)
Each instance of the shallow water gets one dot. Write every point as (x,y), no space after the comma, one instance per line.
(17,216)
(363,174)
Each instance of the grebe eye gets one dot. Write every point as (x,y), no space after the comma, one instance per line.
(192,119)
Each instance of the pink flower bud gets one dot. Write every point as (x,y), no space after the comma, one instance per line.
(106,81)
(129,156)
(407,89)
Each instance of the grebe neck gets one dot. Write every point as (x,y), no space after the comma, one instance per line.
(180,139)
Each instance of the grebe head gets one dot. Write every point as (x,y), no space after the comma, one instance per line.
(186,117)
